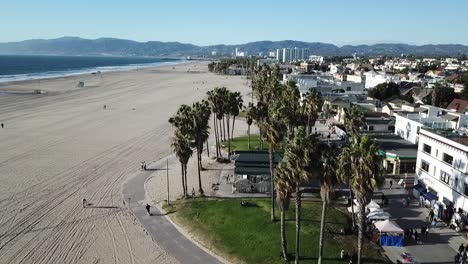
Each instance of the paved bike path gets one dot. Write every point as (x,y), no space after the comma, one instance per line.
(161,230)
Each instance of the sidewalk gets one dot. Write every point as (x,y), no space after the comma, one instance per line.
(161,230)
(441,244)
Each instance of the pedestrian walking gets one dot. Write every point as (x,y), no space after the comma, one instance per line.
(148,209)
(431,215)
(423,230)
(84,202)
(461,248)
(391,183)
(193,191)
(383,198)
(416,236)
(427,231)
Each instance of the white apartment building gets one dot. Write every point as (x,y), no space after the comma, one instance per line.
(295,54)
(408,124)
(373,79)
(354,78)
(442,169)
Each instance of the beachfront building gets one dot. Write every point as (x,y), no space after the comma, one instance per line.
(442,169)
(252,171)
(408,124)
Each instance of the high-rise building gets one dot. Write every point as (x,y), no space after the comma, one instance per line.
(290,55)
(279,55)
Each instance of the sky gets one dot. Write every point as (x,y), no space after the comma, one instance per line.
(208,22)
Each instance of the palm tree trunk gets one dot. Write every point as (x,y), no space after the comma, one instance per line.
(200,189)
(185,176)
(362,208)
(183,180)
(270,156)
(261,139)
(248,133)
(284,247)
(322,228)
(207,149)
(298,221)
(216,137)
(220,133)
(229,140)
(353,216)
(224,129)
(232,129)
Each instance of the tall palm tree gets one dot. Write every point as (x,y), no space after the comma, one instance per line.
(353,121)
(299,153)
(236,104)
(182,147)
(214,105)
(361,164)
(284,187)
(328,181)
(311,104)
(274,131)
(200,117)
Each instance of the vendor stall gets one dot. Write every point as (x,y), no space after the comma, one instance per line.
(390,233)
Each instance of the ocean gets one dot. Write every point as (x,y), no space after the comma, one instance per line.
(22,67)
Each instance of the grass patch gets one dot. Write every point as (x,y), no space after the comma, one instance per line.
(246,234)
(242,143)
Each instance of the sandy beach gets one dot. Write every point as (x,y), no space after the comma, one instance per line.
(60,147)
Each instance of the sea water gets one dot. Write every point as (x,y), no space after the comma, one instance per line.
(25,67)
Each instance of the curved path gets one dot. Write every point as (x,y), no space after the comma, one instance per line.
(162,231)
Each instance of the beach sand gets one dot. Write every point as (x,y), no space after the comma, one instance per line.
(60,147)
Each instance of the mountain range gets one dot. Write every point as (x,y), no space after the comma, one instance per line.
(123,47)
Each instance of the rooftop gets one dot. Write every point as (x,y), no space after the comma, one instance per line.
(394,145)
(457,136)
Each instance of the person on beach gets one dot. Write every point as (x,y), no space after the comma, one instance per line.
(105,107)
(148,209)
(2,125)
(84,202)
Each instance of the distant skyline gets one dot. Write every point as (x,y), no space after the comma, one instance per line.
(209,22)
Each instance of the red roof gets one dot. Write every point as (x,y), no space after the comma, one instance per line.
(458,105)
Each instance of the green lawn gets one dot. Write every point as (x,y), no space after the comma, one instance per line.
(241,143)
(246,234)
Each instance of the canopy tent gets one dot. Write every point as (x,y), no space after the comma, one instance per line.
(373,204)
(378,215)
(429,196)
(375,210)
(387,227)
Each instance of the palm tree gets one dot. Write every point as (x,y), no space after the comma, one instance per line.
(353,121)
(284,188)
(182,147)
(183,139)
(298,153)
(311,104)
(274,131)
(200,117)
(361,164)
(236,104)
(328,181)
(214,105)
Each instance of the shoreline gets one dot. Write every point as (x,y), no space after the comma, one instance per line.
(90,72)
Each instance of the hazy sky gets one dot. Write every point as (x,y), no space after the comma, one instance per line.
(206,22)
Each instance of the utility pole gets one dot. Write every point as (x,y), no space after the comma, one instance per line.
(167,179)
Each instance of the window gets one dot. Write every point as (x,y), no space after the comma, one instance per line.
(371,128)
(466,189)
(437,153)
(424,166)
(427,148)
(445,177)
(348,88)
(447,158)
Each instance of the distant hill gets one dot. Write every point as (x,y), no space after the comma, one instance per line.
(122,47)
